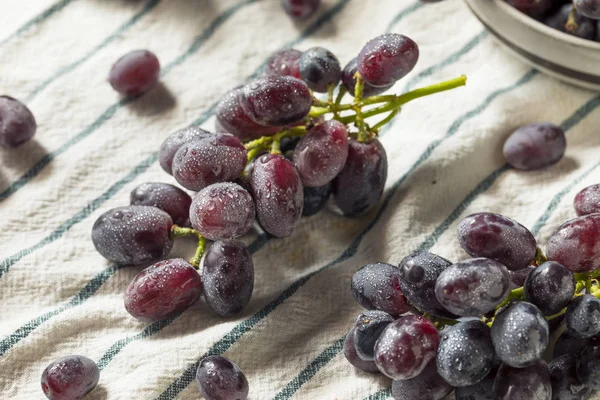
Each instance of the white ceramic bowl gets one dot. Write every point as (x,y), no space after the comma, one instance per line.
(563,56)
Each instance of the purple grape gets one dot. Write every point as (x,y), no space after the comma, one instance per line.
(482,390)
(300,9)
(518,277)
(17,123)
(359,186)
(70,378)
(387,59)
(472,287)
(428,385)
(535,146)
(534,8)
(588,364)
(520,334)
(315,199)
(163,290)
(565,384)
(350,82)
(135,73)
(174,141)
(575,244)
(418,275)
(133,235)
(465,354)
(377,287)
(228,277)
(352,357)
(220,379)
(322,153)
(168,198)
(368,328)
(276,100)
(587,201)
(284,63)
(278,194)
(588,8)
(568,343)
(232,118)
(529,383)
(550,287)
(583,316)
(497,237)
(200,163)
(584,27)
(406,346)
(319,68)
(222,211)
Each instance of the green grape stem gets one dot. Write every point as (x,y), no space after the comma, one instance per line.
(178,232)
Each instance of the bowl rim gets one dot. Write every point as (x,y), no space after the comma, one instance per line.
(539,26)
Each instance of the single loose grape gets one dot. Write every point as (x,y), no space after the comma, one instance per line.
(321,154)
(174,141)
(406,346)
(300,9)
(353,358)
(202,162)
(163,290)
(588,364)
(535,146)
(368,328)
(17,123)
(133,234)
(228,277)
(315,199)
(278,194)
(428,385)
(387,59)
(135,73)
(319,68)
(497,237)
(70,378)
(584,27)
(359,186)
(528,383)
(576,245)
(587,201)
(583,316)
(565,383)
(276,100)
(377,287)
(550,287)
(168,198)
(222,211)
(349,81)
(220,379)
(284,63)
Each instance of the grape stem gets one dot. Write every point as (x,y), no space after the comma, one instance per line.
(178,231)
(571,24)
(540,258)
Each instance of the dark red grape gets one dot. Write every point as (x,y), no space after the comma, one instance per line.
(497,237)
(315,199)
(322,153)
(517,278)
(550,287)
(377,287)
(583,316)
(576,245)
(319,68)
(587,201)
(174,141)
(17,123)
(588,364)
(133,235)
(202,162)
(568,343)
(418,274)
(387,58)
(482,390)
(534,8)
(222,211)
(70,378)
(220,379)
(369,326)
(276,100)
(584,27)
(465,353)
(278,194)
(565,384)
(228,277)
(588,8)
(529,383)
(535,146)
(359,186)
(472,287)
(300,9)
(350,82)
(352,357)
(406,346)
(232,118)
(135,73)
(520,334)
(284,63)
(162,290)
(168,198)
(428,385)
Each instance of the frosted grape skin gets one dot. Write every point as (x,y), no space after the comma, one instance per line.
(319,68)
(352,356)
(528,383)
(427,385)
(70,377)
(587,201)
(17,123)
(377,287)
(284,63)
(174,142)
(575,244)
(218,378)
(349,81)
(135,73)
(550,287)
(168,198)
(535,146)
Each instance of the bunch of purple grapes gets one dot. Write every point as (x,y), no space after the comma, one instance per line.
(482,327)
